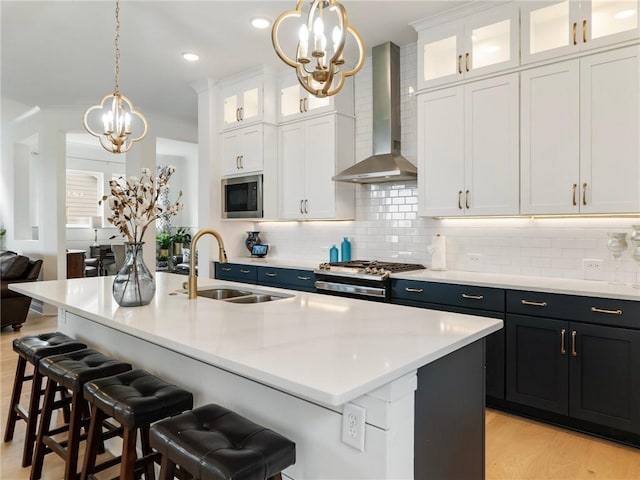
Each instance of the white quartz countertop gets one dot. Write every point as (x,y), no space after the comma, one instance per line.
(567,286)
(323,348)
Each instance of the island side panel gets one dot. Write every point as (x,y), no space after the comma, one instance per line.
(316,429)
(450,416)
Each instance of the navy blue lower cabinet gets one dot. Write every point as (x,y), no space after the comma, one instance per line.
(469,300)
(236,272)
(293,279)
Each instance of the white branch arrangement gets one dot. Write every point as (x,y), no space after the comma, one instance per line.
(134,202)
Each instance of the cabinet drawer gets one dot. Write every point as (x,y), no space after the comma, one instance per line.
(605,311)
(236,272)
(287,278)
(482,298)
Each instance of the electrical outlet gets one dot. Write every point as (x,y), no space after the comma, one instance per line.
(474,260)
(353,423)
(593,269)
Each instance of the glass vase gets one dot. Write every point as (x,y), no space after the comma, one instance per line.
(133,285)
(253,238)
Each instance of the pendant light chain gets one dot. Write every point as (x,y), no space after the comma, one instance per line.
(117,41)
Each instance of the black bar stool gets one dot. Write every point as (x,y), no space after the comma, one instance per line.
(72,371)
(214,443)
(31,349)
(134,399)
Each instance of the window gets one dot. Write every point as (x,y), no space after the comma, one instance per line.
(83,191)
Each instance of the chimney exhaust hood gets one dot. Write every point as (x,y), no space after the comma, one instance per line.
(386,164)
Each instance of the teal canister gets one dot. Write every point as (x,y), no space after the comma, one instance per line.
(333,254)
(345,248)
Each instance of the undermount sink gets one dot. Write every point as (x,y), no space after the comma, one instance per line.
(233,295)
(222,293)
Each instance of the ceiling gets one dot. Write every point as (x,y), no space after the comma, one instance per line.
(61,53)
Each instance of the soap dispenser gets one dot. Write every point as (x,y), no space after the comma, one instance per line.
(345,248)
(333,254)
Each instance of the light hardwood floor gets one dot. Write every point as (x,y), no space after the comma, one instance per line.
(516,448)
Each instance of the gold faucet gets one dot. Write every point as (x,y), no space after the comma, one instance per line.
(222,255)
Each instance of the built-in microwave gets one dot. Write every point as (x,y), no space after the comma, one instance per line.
(242,197)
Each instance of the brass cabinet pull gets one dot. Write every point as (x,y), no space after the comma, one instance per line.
(303,278)
(473,297)
(237,162)
(305,206)
(306,104)
(466,61)
(300,107)
(466,199)
(269,274)
(573,343)
(584,193)
(226,269)
(575,40)
(413,290)
(245,271)
(584,31)
(241,113)
(460,199)
(237,114)
(301,211)
(563,350)
(604,310)
(534,304)
(459,63)
(575,186)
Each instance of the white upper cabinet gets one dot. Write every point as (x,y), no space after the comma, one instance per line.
(294,102)
(477,44)
(579,140)
(247,98)
(468,149)
(241,150)
(551,29)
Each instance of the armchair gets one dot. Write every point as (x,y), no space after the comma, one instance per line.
(15,268)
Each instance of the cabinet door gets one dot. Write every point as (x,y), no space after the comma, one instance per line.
(610,115)
(320,161)
(605,22)
(230,152)
(439,60)
(441,152)
(549,148)
(242,103)
(491,135)
(605,376)
(537,365)
(241,151)
(295,101)
(291,157)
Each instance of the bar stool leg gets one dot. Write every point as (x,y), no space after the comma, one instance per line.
(167,469)
(73,445)
(93,442)
(150,472)
(45,420)
(128,462)
(32,420)
(15,399)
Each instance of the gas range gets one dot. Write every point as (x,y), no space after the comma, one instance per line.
(360,278)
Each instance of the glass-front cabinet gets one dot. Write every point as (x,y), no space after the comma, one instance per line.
(481,43)
(242,103)
(551,29)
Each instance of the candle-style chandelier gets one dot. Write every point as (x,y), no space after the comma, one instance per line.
(320,67)
(119,124)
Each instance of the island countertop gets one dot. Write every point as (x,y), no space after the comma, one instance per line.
(322,348)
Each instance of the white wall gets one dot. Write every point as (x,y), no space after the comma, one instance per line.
(387,227)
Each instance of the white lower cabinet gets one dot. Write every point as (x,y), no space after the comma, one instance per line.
(580,120)
(468,149)
(310,152)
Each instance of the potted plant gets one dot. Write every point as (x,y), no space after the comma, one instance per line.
(181,238)
(163,240)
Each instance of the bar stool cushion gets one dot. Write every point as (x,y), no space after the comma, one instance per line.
(74,369)
(36,347)
(212,442)
(137,398)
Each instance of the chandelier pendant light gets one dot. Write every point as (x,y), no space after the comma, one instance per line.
(320,67)
(114,120)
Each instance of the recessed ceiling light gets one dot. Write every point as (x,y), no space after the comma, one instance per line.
(190,56)
(260,22)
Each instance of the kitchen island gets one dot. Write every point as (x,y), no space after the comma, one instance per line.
(295,363)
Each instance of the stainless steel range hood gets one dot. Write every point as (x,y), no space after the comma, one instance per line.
(386,164)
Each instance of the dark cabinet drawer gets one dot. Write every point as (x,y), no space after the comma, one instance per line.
(236,272)
(287,278)
(604,311)
(482,298)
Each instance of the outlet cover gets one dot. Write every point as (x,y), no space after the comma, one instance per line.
(474,261)
(593,269)
(353,425)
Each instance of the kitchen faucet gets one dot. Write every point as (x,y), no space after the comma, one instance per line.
(222,255)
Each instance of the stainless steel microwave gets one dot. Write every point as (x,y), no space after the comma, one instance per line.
(242,197)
